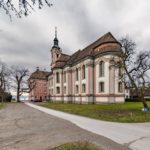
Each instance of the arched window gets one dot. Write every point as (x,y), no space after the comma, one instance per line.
(77,89)
(57,77)
(64,77)
(58,90)
(120,72)
(101,69)
(101,87)
(64,89)
(83,88)
(77,77)
(119,69)
(83,72)
(120,87)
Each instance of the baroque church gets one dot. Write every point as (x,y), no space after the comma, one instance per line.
(87,76)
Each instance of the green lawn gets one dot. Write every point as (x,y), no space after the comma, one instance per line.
(128,112)
(77,146)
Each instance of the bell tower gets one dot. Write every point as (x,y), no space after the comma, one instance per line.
(55,50)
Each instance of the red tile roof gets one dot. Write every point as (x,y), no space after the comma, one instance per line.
(63,58)
(42,75)
(107,43)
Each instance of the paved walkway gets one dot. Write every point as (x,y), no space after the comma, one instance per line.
(25,128)
(134,135)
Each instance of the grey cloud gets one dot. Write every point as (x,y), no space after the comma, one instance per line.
(28,41)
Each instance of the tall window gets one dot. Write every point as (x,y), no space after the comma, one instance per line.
(83,88)
(83,72)
(77,89)
(52,82)
(120,71)
(101,69)
(120,87)
(77,74)
(64,77)
(64,89)
(101,87)
(57,77)
(58,90)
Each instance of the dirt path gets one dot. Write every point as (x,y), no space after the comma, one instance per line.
(24,128)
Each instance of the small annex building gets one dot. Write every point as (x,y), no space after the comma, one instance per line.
(39,79)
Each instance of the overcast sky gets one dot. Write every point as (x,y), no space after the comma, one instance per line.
(28,41)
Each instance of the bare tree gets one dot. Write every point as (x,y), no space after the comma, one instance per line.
(22,7)
(4,79)
(31,84)
(19,78)
(136,68)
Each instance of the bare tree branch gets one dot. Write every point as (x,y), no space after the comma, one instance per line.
(136,68)
(22,7)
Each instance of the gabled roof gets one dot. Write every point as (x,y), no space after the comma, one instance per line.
(73,57)
(89,50)
(42,75)
(63,57)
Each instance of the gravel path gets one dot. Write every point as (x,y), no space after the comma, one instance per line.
(25,128)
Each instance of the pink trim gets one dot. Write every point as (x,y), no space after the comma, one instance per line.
(71,76)
(108,95)
(80,84)
(89,86)
(94,80)
(61,83)
(69,82)
(73,82)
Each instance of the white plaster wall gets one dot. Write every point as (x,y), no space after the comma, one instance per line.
(77,99)
(65,99)
(102,99)
(84,99)
(119,99)
(58,98)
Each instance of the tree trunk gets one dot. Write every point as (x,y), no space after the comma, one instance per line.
(18,98)
(145,105)
(141,98)
(18,93)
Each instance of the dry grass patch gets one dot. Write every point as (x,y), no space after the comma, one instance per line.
(77,146)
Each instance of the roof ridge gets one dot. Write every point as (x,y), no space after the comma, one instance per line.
(106,34)
(65,54)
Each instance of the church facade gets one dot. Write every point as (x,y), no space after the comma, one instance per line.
(88,75)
